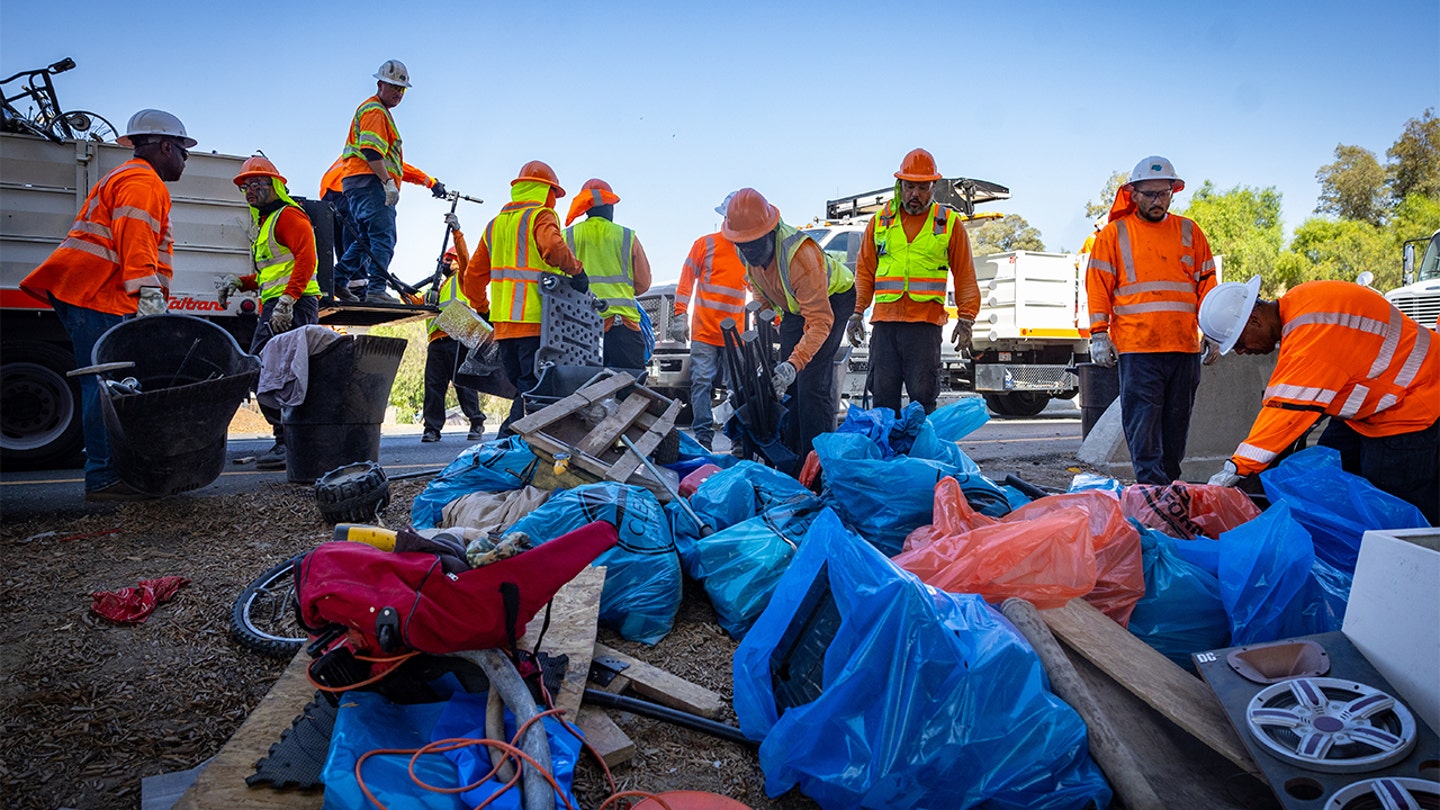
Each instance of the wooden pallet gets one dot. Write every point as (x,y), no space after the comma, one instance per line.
(579,453)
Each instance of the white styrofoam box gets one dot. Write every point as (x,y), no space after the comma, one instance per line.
(1394,614)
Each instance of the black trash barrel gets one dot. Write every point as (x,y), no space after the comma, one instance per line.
(1099,386)
(170,437)
(345,399)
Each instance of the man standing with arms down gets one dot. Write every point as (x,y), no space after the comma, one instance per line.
(1148,272)
(617,268)
(1346,353)
(904,261)
(115,262)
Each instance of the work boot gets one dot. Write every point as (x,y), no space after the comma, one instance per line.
(706,442)
(344,296)
(477,432)
(273,459)
(381,297)
(118,491)
(430,436)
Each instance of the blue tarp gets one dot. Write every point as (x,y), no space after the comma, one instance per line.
(1181,611)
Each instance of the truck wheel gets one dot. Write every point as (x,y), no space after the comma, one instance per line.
(39,406)
(997,404)
(1026,403)
(354,493)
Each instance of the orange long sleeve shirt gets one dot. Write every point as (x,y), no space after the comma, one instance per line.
(294,232)
(962,275)
(1145,283)
(475,278)
(810,281)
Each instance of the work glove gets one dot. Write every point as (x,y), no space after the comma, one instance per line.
(453,221)
(283,316)
(855,329)
(226,286)
(678,330)
(152,302)
(580,282)
(392,192)
(1210,353)
(1102,351)
(1227,477)
(438,189)
(783,379)
(961,334)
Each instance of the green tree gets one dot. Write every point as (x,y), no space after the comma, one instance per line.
(408,392)
(1010,232)
(1415,159)
(1242,226)
(1416,216)
(1353,187)
(1098,208)
(1338,250)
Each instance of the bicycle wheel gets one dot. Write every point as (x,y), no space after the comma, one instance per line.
(263,619)
(15,121)
(83,125)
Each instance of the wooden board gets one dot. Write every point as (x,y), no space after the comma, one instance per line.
(572,632)
(646,444)
(666,688)
(222,784)
(603,437)
(1150,676)
(605,737)
(565,406)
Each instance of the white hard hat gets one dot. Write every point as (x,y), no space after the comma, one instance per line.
(1101,222)
(1156,168)
(155,122)
(720,209)
(1225,310)
(394,72)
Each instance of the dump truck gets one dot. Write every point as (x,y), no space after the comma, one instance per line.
(43,183)
(1419,297)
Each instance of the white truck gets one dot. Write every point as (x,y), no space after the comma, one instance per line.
(42,185)
(1420,296)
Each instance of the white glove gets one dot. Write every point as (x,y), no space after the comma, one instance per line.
(1210,353)
(1102,351)
(392,192)
(783,379)
(961,334)
(1227,477)
(226,286)
(855,329)
(283,316)
(152,302)
(678,330)
(453,221)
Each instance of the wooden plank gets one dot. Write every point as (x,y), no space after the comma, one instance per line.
(565,406)
(573,618)
(646,444)
(222,784)
(605,737)
(1155,679)
(603,437)
(666,688)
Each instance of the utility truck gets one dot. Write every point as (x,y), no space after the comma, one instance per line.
(1420,296)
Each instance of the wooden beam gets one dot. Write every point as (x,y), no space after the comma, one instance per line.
(646,444)
(612,744)
(603,437)
(666,688)
(565,406)
(573,618)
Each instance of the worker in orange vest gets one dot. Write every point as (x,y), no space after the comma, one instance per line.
(618,270)
(908,250)
(520,245)
(346,228)
(116,262)
(1148,272)
(442,354)
(715,274)
(1346,353)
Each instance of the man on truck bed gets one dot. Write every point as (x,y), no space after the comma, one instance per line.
(903,262)
(284,258)
(116,261)
(1148,272)
(347,229)
(617,268)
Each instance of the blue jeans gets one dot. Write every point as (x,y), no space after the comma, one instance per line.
(706,372)
(376,222)
(1157,394)
(345,230)
(85,326)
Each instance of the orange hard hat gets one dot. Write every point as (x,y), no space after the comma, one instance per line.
(257,166)
(749,217)
(594,192)
(918,167)
(451,254)
(540,171)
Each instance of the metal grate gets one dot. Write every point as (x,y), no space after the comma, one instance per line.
(1424,309)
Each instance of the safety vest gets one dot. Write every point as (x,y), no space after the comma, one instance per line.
(89,269)
(274,261)
(1145,281)
(604,248)
(516,263)
(386,142)
(449,291)
(1346,352)
(787,243)
(714,271)
(917,268)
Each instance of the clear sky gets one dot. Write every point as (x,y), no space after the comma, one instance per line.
(678,103)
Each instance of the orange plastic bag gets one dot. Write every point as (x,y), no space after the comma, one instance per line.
(1187,511)
(1119,568)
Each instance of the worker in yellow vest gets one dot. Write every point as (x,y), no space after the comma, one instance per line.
(518,247)
(617,267)
(442,355)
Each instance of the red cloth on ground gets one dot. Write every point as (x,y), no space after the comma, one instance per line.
(135,604)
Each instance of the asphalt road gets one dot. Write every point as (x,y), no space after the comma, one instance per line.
(1000,446)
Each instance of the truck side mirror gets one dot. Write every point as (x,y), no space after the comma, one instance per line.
(1408,275)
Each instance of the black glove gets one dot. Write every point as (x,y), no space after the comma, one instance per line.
(580,282)
(438,189)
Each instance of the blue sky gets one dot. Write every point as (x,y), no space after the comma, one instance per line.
(676,104)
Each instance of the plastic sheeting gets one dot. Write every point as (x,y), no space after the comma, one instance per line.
(494,466)
(1187,511)
(642,579)
(727,498)
(1270,584)
(1181,611)
(929,700)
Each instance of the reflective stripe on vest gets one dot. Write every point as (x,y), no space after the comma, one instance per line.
(917,268)
(84,227)
(515,264)
(709,295)
(362,139)
(1175,296)
(1362,400)
(787,242)
(605,250)
(275,262)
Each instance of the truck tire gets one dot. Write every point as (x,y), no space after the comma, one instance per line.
(354,493)
(1025,403)
(997,404)
(668,451)
(40,419)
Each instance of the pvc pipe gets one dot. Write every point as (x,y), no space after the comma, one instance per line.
(536,791)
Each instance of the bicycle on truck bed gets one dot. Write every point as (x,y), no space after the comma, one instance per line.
(43,115)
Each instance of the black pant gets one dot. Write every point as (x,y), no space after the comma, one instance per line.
(1157,394)
(905,353)
(624,347)
(1406,466)
(442,357)
(813,394)
(517,355)
(307,312)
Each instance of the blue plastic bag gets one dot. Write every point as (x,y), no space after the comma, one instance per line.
(729,497)
(911,434)
(957,420)
(647,328)
(929,700)
(642,577)
(366,721)
(1335,507)
(1181,611)
(1268,584)
(495,466)
(882,500)
(464,717)
(1084,481)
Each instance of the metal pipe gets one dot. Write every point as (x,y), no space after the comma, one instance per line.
(535,791)
(645,708)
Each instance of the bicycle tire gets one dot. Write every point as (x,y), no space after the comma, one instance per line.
(354,493)
(24,126)
(83,125)
(268,601)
